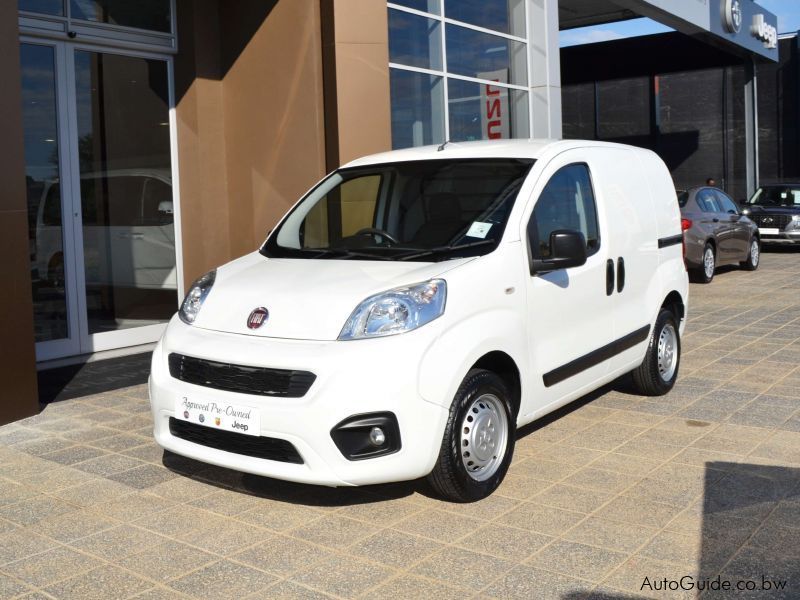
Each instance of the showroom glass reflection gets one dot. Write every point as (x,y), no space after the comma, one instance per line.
(444,63)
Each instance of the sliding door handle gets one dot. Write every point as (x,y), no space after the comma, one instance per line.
(609,277)
(620,274)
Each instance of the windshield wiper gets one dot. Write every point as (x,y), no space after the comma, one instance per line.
(446,249)
(344,253)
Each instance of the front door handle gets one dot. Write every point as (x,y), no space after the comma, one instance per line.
(715,220)
(620,274)
(609,277)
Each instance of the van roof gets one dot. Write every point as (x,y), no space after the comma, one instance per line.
(516,148)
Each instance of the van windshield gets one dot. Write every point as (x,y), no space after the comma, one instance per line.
(420,210)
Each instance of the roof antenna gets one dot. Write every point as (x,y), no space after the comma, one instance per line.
(440,148)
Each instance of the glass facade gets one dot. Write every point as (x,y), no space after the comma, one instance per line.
(458,70)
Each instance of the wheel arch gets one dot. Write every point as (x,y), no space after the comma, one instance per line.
(674,302)
(505,367)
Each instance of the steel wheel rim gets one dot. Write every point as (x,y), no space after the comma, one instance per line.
(484,437)
(754,253)
(708,263)
(667,352)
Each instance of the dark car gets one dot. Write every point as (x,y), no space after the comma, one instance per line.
(715,233)
(775,208)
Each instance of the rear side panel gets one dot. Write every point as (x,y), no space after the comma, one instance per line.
(671,270)
(633,241)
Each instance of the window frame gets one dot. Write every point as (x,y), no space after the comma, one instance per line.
(532,228)
(445,74)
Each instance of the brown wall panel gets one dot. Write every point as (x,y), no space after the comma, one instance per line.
(204,209)
(250,121)
(356,59)
(273,113)
(18,396)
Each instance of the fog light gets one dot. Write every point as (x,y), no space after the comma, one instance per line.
(364,436)
(376,436)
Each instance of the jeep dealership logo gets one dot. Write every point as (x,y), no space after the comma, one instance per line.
(761,30)
(257,318)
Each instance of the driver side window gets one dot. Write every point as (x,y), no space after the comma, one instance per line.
(344,211)
(567,202)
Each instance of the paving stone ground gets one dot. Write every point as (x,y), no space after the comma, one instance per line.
(704,482)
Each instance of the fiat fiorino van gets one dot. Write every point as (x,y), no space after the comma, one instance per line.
(416,307)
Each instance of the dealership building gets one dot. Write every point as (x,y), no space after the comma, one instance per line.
(147,142)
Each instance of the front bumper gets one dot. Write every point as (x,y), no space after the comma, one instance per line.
(352,378)
(784,237)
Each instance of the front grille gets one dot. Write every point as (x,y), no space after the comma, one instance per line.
(237,443)
(284,383)
(779,221)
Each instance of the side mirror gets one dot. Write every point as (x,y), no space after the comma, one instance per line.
(567,249)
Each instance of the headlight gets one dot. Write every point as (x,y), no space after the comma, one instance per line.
(396,311)
(196,296)
(795,217)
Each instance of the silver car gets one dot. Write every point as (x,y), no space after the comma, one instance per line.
(715,232)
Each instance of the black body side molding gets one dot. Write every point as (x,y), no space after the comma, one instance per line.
(595,357)
(672,240)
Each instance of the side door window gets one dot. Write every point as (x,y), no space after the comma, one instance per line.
(707,201)
(726,204)
(567,202)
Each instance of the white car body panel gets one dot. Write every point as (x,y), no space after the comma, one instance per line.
(494,305)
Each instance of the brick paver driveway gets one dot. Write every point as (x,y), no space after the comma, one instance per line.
(615,489)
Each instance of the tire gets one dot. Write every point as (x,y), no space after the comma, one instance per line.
(659,370)
(753,256)
(469,468)
(705,273)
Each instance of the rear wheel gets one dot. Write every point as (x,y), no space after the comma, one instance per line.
(659,370)
(753,257)
(706,271)
(478,440)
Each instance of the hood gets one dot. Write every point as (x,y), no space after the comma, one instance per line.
(307,299)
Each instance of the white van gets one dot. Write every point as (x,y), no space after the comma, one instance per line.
(128,232)
(416,307)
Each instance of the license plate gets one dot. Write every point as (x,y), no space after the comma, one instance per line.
(218,414)
(769,230)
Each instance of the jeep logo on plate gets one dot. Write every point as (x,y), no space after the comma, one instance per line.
(257,318)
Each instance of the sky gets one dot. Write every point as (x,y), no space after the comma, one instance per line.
(788,12)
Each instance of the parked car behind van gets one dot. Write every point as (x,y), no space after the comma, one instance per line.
(775,208)
(128,232)
(716,233)
(416,307)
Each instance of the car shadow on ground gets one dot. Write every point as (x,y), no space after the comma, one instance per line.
(780,248)
(749,538)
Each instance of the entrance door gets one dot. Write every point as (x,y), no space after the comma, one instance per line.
(101,208)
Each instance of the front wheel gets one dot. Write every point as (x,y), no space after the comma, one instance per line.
(753,257)
(659,370)
(478,440)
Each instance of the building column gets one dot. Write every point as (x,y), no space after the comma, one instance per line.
(545,69)
(355,55)
(751,124)
(19,395)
